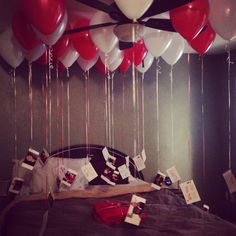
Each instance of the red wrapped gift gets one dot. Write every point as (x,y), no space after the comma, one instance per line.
(112,212)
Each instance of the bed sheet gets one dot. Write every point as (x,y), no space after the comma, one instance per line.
(167,214)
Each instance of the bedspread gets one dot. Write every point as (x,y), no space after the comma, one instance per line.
(167,214)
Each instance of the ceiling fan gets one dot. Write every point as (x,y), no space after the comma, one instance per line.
(121,21)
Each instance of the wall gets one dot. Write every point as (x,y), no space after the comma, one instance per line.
(173,120)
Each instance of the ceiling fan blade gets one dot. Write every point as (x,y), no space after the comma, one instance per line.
(97,5)
(160,6)
(89,27)
(125,45)
(161,24)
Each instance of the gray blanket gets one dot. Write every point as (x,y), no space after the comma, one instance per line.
(167,214)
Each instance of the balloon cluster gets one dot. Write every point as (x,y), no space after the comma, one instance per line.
(38,25)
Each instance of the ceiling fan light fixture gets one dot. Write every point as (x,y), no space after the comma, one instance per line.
(131,32)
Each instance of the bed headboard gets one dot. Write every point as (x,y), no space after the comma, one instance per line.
(93,151)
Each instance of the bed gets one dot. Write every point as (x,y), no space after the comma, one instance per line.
(72,212)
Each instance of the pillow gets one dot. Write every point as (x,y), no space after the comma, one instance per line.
(45,177)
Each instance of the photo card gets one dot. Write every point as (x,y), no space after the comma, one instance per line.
(139,162)
(230,181)
(43,157)
(69,177)
(30,159)
(173,174)
(89,172)
(161,179)
(16,185)
(135,210)
(190,192)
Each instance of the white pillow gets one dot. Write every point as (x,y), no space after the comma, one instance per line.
(44,178)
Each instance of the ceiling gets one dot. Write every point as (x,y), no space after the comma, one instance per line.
(7,8)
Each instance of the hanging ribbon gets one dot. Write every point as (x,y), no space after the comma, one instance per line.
(68,109)
(172,115)
(158,71)
(229,104)
(203,123)
(87,112)
(30,102)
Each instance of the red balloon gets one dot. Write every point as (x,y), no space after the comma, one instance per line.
(189,19)
(125,65)
(24,32)
(203,41)
(44,15)
(82,41)
(43,60)
(101,67)
(137,53)
(61,46)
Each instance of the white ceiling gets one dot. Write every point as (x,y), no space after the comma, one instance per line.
(7,8)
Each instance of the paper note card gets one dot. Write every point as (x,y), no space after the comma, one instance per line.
(230,181)
(89,172)
(124,171)
(139,163)
(143,154)
(190,192)
(173,174)
(105,153)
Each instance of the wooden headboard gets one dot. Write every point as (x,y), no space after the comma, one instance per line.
(93,151)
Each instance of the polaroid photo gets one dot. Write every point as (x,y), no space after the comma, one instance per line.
(230,181)
(159,179)
(135,210)
(190,192)
(69,177)
(110,175)
(30,159)
(124,171)
(43,157)
(105,153)
(89,172)
(139,162)
(173,174)
(16,185)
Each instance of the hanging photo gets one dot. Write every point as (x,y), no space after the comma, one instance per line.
(190,192)
(43,157)
(16,185)
(30,159)
(139,162)
(161,179)
(230,181)
(89,172)
(134,215)
(69,177)
(173,174)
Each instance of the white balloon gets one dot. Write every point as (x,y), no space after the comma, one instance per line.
(222,18)
(115,64)
(103,37)
(52,38)
(146,64)
(133,9)
(175,50)
(9,49)
(35,53)
(70,56)
(87,64)
(108,58)
(157,41)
